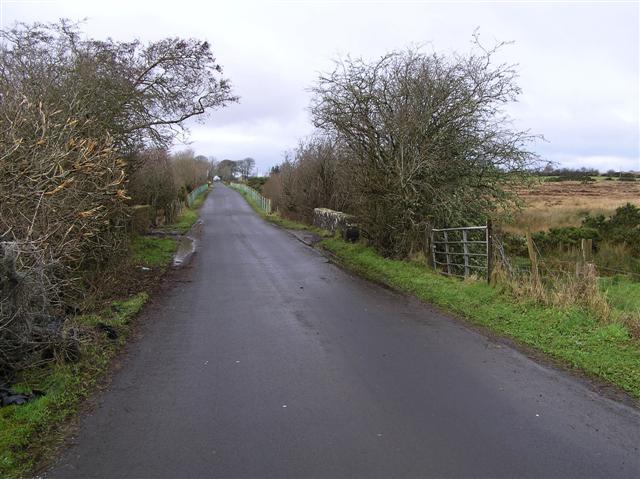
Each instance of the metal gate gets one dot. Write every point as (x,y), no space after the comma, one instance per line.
(462,251)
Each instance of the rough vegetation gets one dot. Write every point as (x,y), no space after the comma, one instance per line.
(552,205)
(615,241)
(411,141)
(163,181)
(84,128)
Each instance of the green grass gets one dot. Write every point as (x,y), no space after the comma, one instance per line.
(200,199)
(285,223)
(623,293)
(153,251)
(573,336)
(185,221)
(188,216)
(29,433)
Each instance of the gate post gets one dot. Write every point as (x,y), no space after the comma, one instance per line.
(446,250)
(465,251)
(430,251)
(489,238)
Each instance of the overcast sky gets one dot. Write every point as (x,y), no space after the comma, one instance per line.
(578,62)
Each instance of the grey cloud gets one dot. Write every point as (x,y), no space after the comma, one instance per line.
(578,63)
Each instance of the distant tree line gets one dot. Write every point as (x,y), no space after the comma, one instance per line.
(582,174)
(229,170)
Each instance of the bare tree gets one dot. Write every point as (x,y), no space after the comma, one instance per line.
(227,169)
(429,142)
(245,167)
(314,175)
(73,114)
(154,181)
(190,171)
(139,94)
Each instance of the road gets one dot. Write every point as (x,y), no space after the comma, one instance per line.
(265,360)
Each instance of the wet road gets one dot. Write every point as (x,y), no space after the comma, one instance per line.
(264,360)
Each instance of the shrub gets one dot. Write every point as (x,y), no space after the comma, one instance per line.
(567,237)
(623,227)
(257,182)
(189,171)
(425,141)
(71,109)
(153,182)
(64,216)
(313,178)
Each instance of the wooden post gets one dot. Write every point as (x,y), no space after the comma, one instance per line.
(430,250)
(586,245)
(465,251)
(489,238)
(446,251)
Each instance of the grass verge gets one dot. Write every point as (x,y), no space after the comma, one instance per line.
(152,251)
(30,433)
(189,215)
(572,336)
(276,219)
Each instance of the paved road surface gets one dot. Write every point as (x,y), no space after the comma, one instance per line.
(265,360)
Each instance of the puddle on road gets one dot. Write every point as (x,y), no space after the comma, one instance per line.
(187,245)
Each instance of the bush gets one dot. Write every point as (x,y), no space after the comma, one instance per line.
(514,244)
(573,177)
(153,183)
(72,108)
(623,227)
(313,178)
(66,215)
(616,242)
(257,182)
(189,171)
(567,237)
(425,142)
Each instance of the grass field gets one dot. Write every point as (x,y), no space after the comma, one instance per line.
(556,204)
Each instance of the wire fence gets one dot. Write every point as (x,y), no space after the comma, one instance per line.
(193,196)
(263,203)
(473,251)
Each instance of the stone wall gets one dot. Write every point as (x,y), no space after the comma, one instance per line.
(336,221)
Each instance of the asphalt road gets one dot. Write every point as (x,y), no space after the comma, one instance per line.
(265,360)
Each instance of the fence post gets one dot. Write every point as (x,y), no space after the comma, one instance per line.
(489,239)
(465,251)
(430,251)
(586,245)
(446,251)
